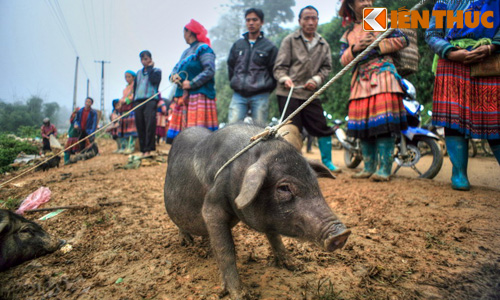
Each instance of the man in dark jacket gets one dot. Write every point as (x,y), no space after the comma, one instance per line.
(250,65)
(146,86)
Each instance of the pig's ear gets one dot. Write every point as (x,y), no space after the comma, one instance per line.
(320,169)
(252,182)
(4,221)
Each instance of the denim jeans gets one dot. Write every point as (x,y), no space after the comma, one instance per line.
(258,104)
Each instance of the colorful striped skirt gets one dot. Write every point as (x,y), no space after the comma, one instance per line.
(127,126)
(200,111)
(376,115)
(468,104)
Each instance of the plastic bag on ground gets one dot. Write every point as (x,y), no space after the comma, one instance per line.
(34,200)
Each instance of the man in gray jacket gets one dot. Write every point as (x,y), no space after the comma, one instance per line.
(250,67)
(304,62)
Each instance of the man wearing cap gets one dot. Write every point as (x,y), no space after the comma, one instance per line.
(303,63)
(250,68)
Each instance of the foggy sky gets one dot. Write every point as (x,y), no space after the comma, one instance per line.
(37,58)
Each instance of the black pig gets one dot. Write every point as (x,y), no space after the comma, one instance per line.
(22,240)
(51,163)
(271,188)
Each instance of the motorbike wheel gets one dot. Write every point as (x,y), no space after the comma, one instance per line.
(486,147)
(472,148)
(419,148)
(351,158)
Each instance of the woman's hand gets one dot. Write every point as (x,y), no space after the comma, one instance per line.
(175,78)
(186,85)
(364,43)
(457,55)
(477,54)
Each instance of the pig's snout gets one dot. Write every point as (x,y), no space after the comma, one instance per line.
(337,241)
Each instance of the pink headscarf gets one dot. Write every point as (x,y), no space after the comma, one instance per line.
(199,31)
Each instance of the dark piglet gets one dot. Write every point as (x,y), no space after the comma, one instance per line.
(51,163)
(271,188)
(22,240)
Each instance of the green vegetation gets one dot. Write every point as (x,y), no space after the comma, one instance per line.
(10,148)
(10,203)
(335,99)
(25,119)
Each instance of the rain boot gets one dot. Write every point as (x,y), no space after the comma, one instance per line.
(458,150)
(385,148)
(130,148)
(496,151)
(66,157)
(325,147)
(118,145)
(369,151)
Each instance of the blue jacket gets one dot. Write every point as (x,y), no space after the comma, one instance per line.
(91,120)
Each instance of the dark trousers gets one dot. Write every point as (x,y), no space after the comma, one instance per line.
(91,145)
(145,121)
(46,144)
(311,117)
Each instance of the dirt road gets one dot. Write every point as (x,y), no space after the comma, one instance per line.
(412,239)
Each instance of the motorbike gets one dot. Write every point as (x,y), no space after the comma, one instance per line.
(417,151)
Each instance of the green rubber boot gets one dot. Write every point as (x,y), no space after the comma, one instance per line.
(325,148)
(458,150)
(66,158)
(118,145)
(369,151)
(130,146)
(385,147)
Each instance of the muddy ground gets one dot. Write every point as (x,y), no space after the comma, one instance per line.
(411,239)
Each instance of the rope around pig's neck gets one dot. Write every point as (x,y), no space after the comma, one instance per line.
(273,130)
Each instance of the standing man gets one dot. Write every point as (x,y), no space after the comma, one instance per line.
(304,62)
(86,123)
(250,67)
(146,86)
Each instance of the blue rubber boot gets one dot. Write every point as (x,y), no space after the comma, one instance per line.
(458,150)
(369,151)
(496,151)
(385,148)
(325,148)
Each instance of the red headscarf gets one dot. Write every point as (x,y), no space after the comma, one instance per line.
(199,31)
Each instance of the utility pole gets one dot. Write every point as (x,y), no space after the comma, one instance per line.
(76,81)
(102,62)
(88,85)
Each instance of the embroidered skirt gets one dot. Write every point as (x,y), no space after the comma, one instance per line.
(376,115)
(201,111)
(127,126)
(468,104)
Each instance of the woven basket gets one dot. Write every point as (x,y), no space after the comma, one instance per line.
(406,59)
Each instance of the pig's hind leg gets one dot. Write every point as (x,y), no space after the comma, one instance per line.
(281,257)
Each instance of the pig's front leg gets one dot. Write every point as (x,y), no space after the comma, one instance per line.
(218,223)
(281,257)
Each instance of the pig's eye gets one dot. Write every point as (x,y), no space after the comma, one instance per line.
(284,193)
(284,188)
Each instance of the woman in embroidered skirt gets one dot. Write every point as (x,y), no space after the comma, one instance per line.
(466,106)
(161,120)
(194,73)
(127,123)
(114,129)
(376,110)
